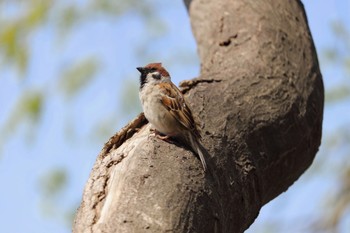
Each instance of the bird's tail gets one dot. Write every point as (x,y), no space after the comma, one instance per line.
(199,150)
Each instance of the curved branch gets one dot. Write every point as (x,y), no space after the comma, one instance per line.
(260,99)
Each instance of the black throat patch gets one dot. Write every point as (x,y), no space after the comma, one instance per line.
(143,79)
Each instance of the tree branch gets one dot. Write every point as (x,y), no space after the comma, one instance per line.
(260,99)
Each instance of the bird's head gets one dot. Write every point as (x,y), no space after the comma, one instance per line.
(153,73)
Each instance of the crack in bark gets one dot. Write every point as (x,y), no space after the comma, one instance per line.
(186,85)
(125,133)
(227,42)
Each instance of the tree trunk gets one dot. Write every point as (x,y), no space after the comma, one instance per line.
(260,100)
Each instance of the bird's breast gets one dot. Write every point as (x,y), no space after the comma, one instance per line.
(156,113)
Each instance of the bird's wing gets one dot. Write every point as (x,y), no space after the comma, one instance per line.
(174,102)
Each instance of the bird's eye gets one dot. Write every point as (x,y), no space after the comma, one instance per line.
(156,75)
(153,69)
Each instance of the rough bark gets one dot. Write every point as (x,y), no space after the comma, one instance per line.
(260,99)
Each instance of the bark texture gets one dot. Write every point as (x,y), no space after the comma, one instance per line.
(260,100)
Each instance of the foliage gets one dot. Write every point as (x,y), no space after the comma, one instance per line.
(75,77)
(338,203)
(20,22)
(338,57)
(39,102)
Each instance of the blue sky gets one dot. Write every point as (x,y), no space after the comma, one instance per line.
(67,135)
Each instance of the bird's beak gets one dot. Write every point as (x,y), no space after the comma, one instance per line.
(141,69)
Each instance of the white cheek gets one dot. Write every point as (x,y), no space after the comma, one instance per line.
(151,80)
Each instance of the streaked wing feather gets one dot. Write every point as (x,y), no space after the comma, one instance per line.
(175,103)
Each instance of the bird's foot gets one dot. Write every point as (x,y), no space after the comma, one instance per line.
(159,135)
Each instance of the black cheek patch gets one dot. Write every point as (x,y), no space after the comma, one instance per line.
(156,76)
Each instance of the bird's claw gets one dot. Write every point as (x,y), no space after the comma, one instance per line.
(157,134)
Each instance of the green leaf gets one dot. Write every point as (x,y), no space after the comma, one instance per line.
(8,40)
(53,183)
(37,13)
(30,105)
(75,77)
(331,55)
(337,94)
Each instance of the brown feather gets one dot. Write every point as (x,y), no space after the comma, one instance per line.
(175,103)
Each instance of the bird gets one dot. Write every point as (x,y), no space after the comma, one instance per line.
(165,107)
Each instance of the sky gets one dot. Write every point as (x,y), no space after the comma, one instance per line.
(66,140)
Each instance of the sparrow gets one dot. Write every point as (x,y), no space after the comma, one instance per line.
(166,109)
